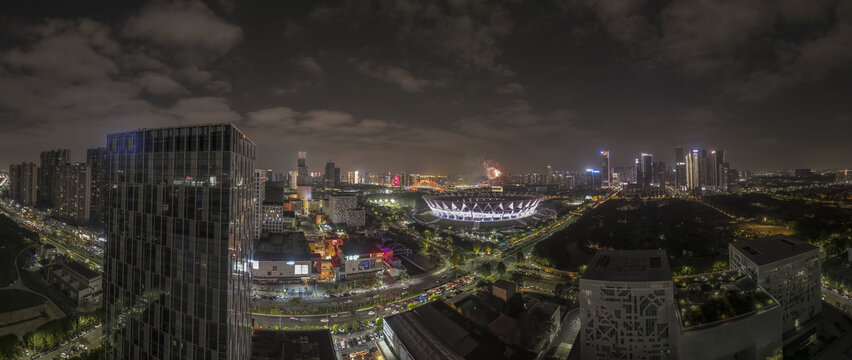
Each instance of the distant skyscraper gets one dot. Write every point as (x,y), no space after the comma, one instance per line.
(75,189)
(96,159)
(718,160)
(330,175)
(693,170)
(48,181)
(606,169)
(659,174)
(680,168)
(274,176)
(303,179)
(647,178)
(177,274)
(708,172)
(23,186)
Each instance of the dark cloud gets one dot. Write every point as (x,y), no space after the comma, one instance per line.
(439,85)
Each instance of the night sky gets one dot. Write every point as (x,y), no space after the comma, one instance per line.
(438,86)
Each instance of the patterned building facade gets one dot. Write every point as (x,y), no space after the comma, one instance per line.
(23,186)
(179,222)
(627,306)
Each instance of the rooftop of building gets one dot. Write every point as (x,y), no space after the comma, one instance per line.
(281,345)
(771,249)
(436,331)
(358,247)
(504,284)
(629,265)
(718,297)
(83,270)
(290,246)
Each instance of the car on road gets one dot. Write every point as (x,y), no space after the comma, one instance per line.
(325,320)
(294,318)
(371,312)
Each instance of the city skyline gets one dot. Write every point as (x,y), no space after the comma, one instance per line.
(442,86)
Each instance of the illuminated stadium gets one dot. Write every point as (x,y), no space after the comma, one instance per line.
(482,206)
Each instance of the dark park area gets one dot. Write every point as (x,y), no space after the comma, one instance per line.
(694,236)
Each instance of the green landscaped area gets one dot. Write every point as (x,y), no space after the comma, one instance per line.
(694,235)
(14,300)
(708,298)
(13,239)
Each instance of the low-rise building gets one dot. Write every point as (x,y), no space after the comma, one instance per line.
(282,257)
(504,290)
(360,260)
(293,345)
(342,209)
(81,284)
(726,308)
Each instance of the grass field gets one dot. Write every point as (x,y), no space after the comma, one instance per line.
(13,300)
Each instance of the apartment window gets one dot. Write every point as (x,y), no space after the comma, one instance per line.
(274,268)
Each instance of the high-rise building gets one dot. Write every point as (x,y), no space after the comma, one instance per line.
(646,170)
(680,168)
(23,186)
(788,269)
(718,160)
(274,175)
(331,176)
(96,159)
(693,170)
(342,208)
(177,268)
(707,164)
(303,178)
(606,169)
(659,174)
(627,306)
(75,189)
(48,176)
(258,196)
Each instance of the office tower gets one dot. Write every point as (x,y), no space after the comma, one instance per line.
(606,169)
(336,175)
(680,168)
(659,174)
(708,168)
(693,170)
(637,172)
(23,186)
(627,306)
(48,181)
(177,273)
(646,174)
(303,178)
(718,160)
(724,172)
(258,197)
(96,160)
(788,269)
(330,174)
(274,176)
(75,188)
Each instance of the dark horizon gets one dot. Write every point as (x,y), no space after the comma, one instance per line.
(440,88)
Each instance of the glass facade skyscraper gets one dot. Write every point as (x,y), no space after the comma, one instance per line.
(179,223)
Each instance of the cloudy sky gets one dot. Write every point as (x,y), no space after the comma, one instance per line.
(438,86)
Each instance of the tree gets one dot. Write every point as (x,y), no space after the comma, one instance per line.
(411,306)
(477,246)
(485,269)
(501,268)
(379,323)
(335,328)
(519,257)
(456,258)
